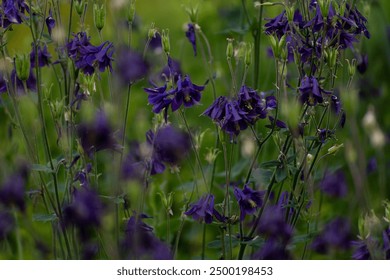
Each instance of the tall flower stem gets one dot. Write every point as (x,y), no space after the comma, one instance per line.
(256,33)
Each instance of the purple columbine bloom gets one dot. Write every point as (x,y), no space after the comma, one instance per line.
(130,65)
(141,243)
(82,176)
(362,64)
(171,70)
(272,249)
(317,22)
(13,12)
(372,165)
(234,118)
(277,25)
(335,104)
(252,104)
(7,224)
(159,98)
(216,111)
(324,134)
(12,191)
(50,22)
(335,235)
(84,211)
(311,92)
(249,200)
(334,184)
(204,211)
(96,135)
(87,57)
(134,164)
(361,251)
(43,56)
(171,145)
(191,36)
(186,93)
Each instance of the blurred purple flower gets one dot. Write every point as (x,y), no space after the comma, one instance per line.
(130,65)
(13,12)
(84,211)
(334,184)
(3,84)
(335,235)
(141,243)
(31,82)
(362,64)
(203,210)
(50,22)
(324,134)
(82,176)
(361,251)
(96,135)
(43,57)
(372,165)
(12,190)
(7,223)
(191,36)
(249,200)
(272,250)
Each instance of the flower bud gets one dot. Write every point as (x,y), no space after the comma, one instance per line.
(80,6)
(229,49)
(351,67)
(309,159)
(22,66)
(99,16)
(248,55)
(386,204)
(131,11)
(152,31)
(334,149)
(165,41)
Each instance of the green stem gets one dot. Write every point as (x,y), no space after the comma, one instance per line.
(257,42)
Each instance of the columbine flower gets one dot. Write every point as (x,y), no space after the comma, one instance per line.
(130,65)
(12,190)
(87,57)
(311,92)
(362,64)
(43,57)
(324,134)
(277,25)
(317,22)
(252,104)
(50,22)
(96,136)
(186,93)
(141,243)
(160,98)
(335,235)
(191,36)
(248,200)
(13,12)
(272,250)
(204,210)
(7,223)
(82,176)
(334,184)
(84,212)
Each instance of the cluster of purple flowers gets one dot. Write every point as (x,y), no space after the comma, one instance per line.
(88,57)
(372,247)
(13,12)
(236,114)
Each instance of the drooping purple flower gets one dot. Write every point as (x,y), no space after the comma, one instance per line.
(324,134)
(50,22)
(334,184)
(311,91)
(277,25)
(96,135)
(84,211)
(186,93)
(204,211)
(12,190)
(361,251)
(335,235)
(317,22)
(386,243)
(140,242)
(134,164)
(171,70)
(372,165)
(335,104)
(79,96)
(7,223)
(234,118)
(254,106)
(13,12)
(362,63)
(249,200)
(160,98)
(87,57)
(171,145)
(43,57)
(216,111)
(82,176)
(354,21)
(191,36)
(130,65)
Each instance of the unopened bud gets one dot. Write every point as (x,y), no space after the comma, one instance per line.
(80,6)
(99,16)
(165,41)
(131,11)
(229,48)
(334,149)
(248,55)
(22,66)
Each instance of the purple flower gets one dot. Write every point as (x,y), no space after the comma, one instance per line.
(361,251)
(234,118)
(79,96)
(249,200)
(160,98)
(84,211)
(335,235)
(43,56)
(87,57)
(82,176)
(3,84)
(372,165)
(7,223)
(317,22)
(311,92)
(12,190)
(13,12)
(130,65)
(272,250)
(362,64)
(96,135)
(186,93)
(31,82)
(335,104)
(334,184)
(141,243)
(171,145)
(171,70)
(204,210)
(134,165)
(253,104)
(191,36)
(216,110)
(50,22)
(324,134)
(277,25)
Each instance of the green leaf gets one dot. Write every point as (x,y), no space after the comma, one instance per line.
(115,199)
(270,164)
(262,176)
(41,168)
(44,218)
(216,244)
(237,169)
(281,173)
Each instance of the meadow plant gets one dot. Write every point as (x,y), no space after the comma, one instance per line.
(118,144)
